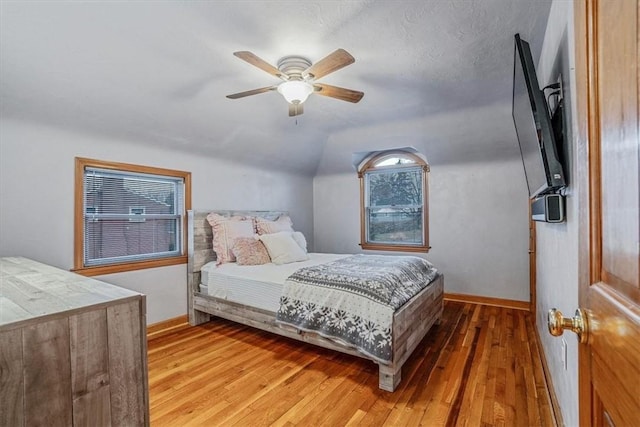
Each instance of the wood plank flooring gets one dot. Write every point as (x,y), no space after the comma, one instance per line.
(480,367)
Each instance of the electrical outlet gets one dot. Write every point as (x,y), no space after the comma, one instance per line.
(564,354)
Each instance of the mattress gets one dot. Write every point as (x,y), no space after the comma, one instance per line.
(258,286)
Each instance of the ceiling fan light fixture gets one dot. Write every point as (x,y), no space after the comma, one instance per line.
(300,77)
(295,91)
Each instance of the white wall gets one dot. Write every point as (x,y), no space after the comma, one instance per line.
(478,209)
(557,244)
(37,199)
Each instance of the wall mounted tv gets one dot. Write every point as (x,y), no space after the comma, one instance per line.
(542,167)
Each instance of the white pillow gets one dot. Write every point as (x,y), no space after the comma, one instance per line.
(282,248)
(300,240)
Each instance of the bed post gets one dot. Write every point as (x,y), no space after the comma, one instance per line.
(390,377)
(196,317)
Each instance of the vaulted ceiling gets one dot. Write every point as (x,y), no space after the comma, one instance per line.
(157,72)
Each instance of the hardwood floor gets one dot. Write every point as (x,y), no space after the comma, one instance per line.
(480,367)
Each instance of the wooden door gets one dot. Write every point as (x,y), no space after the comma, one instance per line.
(608,179)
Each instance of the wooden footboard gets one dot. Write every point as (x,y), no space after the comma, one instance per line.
(410,323)
(264,320)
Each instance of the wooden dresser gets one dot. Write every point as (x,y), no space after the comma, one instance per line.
(73,350)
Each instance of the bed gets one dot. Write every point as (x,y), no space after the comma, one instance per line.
(410,322)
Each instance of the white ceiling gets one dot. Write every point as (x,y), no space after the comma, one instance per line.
(157,73)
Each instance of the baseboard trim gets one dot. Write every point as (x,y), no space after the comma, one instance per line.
(166,326)
(495,302)
(555,406)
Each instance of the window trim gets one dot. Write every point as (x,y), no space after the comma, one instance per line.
(370,166)
(78,253)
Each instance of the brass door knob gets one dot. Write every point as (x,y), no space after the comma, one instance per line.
(578,324)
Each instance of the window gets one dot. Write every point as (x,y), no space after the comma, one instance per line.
(128,217)
(394,205)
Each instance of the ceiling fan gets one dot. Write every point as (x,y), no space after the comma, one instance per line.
(299,77)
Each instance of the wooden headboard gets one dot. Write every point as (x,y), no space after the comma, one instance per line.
(200,239)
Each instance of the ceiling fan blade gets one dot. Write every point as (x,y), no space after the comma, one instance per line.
(330,63)
(251,92)
(260,63)
(295,110)
(338,92)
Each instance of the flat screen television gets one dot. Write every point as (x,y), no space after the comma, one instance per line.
(542,165)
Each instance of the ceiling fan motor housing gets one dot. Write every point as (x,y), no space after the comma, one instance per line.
(293,66)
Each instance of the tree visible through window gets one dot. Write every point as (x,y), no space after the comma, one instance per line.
(128,216)
(394,202)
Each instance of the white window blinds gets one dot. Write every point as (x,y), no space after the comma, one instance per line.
(131,216)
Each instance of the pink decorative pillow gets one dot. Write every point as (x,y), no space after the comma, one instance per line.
(250,251)
(226,231)
(264,226)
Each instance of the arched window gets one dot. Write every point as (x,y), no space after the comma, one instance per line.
(394,202)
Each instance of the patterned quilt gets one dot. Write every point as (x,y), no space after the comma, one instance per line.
(352,300)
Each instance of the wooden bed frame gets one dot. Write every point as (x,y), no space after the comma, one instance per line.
(410,323)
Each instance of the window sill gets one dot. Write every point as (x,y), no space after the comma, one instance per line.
(130,266)
(397,248)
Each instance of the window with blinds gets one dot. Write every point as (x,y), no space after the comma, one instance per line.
(393,206)
(130,214)
(394,202)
